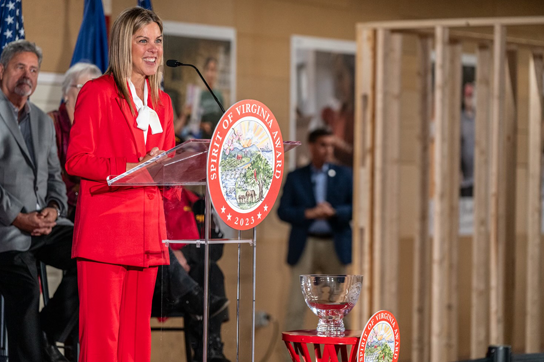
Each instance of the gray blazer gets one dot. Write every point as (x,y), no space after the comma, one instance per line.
(24,185)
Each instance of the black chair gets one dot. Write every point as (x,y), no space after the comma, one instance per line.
(69,348)
(161,308)
(74,348)
(188,354)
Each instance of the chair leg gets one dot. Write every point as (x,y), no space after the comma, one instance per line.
(3,332)
(69,328)
(44,283)
(188,351)
(71,346)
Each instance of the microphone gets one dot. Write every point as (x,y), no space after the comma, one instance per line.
(174,63)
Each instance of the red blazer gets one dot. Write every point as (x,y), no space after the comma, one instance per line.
(115,225)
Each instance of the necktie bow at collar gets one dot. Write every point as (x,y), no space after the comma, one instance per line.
(147,117)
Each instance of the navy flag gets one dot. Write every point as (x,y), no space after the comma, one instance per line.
(92,41)
(146,4)
(11,22)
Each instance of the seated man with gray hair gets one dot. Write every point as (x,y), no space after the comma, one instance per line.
(32,204)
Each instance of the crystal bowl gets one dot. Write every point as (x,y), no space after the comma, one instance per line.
(331,297)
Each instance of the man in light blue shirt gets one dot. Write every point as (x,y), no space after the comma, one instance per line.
(317,202)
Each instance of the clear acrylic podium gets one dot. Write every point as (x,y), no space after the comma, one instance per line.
(185,165)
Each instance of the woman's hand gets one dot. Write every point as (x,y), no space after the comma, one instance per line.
(154,152)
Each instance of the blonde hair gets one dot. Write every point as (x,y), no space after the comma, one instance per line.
(128,22)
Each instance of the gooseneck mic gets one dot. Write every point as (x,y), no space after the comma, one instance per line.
(174,63)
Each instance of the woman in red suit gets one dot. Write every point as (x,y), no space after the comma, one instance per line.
(121,120)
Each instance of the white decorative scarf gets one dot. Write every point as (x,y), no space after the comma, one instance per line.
(147,117)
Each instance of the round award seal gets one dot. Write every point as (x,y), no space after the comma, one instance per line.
(245,164)
(380,340)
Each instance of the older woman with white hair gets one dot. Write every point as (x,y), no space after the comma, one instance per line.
(74,79)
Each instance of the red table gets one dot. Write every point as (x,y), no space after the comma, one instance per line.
(297,344)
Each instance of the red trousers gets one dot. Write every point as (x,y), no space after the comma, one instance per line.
(114,312)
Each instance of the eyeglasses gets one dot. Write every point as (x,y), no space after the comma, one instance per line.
(78,86)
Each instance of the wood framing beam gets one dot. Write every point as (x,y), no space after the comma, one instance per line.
(422,245)
(392,122)
(442,221)
(461,35)
(510,171)
(454,143)
(497,199)
(458,23)
(359,178)
(364,169)
(383,38)
(480,244)
(533,331)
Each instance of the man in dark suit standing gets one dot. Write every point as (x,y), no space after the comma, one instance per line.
(32,198)
(317,202)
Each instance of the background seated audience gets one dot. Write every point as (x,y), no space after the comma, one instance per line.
(32,204)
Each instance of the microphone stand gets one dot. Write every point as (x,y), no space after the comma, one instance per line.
(175,63)
(207,226)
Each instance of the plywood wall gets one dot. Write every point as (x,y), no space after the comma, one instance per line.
(264,28)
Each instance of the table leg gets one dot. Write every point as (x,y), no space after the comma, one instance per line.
(331,353)
(292,352)
(319,356)
(303,348)
(353,353)
(343,352)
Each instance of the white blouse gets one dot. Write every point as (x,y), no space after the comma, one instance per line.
(147,117)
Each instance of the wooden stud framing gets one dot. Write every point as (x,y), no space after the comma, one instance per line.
(454,143)
(461,35)
(358,179)
(480,244)
(392,122)
(533,331)
(364,169)
(456,23)
(497,212)
(441,230)
(380,185)
(509,177)
(376,222)
(422,246)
